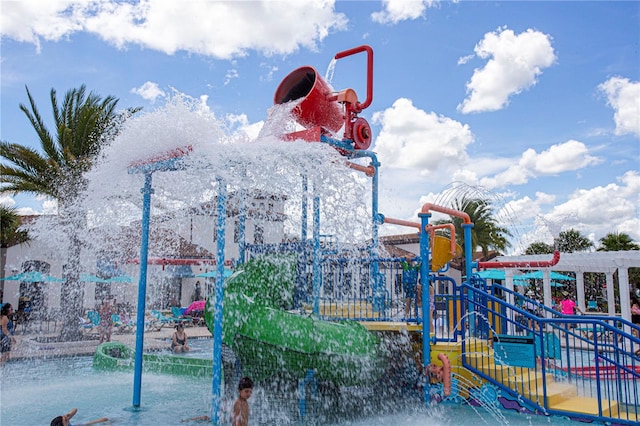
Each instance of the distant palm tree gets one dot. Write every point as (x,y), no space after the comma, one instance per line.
(570,241)
(615,241)
(84,124)
(539,248)
(486,233)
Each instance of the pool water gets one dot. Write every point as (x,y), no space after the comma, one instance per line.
(32,392)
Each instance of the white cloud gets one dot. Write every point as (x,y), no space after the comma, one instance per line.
(230,75)
(7,201)
(271,69)
(239,124)
(515,62)
(270,27)
(411,138)
(624,97)
(149,91)
(603,209)
(568,156)
(394,11)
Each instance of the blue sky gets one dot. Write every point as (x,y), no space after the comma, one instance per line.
(535,104)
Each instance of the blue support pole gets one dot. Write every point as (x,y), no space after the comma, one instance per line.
(379,289)
(317,278)
(305,192)
(216,380)
(425,267)
(468,262)
(302,395)
(242,220)
(147,190)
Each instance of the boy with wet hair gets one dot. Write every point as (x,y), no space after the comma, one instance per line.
(241,406)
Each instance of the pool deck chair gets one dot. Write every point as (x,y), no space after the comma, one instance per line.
(121,326)
(164,319)
(177,313)
(91,326)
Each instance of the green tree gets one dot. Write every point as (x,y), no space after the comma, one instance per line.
(539,248)
(486,233)
(570,241)
(615,241)
(10,222)
(83,125)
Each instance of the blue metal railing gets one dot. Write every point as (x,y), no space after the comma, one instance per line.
(581,356)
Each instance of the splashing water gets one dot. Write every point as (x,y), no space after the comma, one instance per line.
(266,165)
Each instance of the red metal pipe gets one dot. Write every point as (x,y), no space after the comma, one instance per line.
(446,210)
(172,261)
(367,170)
(401,222)
(522,264)
(360,106)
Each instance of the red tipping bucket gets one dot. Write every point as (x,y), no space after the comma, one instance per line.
(314,109)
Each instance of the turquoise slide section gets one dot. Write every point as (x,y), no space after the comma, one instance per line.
(270,341)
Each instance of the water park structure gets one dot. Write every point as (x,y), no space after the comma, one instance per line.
(292,309)
(323,317)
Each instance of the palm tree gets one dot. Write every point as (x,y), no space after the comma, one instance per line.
(570,241)
(84,124)
(486,233)
(539,247)
(10,222)
(615,241)
(10,234)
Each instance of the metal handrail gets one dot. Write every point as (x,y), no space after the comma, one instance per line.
(595,354)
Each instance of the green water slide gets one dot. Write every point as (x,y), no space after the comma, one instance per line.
(271,341)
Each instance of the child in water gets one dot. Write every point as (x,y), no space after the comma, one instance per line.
(241,406)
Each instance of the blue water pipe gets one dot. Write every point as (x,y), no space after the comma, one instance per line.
(242,219)
(305,193)
(302,394)
(468,264)
(172,162)
(317,278)
(147,190)
(425,269)
(216,381)
(379,291)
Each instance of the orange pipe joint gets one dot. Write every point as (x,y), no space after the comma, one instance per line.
(401,222)
(370,171)
(427,207)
